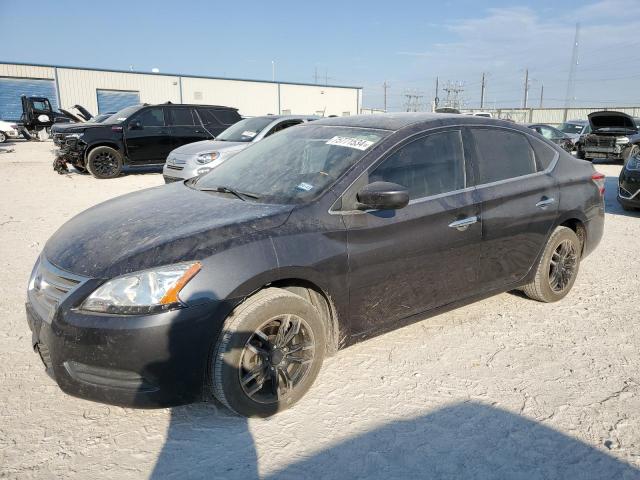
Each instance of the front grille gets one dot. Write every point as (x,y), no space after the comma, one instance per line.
(175,167)
(49,286)
(600,141)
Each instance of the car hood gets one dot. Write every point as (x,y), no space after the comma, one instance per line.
(74,127)
(611,120)
(207,146)
(153,227)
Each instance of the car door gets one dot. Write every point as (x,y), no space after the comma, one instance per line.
(148,138)
(519,201)
(185,126)
(406,261)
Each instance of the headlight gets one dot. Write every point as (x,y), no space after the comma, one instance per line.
(622,140)
(633,164)
(148,291)
(207,157)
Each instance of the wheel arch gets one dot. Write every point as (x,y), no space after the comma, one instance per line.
(576,222)
(104,143)
(309,288)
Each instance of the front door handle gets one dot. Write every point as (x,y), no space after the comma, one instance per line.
(463,224)
(545,202)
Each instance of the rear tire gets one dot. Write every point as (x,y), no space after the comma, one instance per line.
(104,162)
(254,371)
(558,267)
(3,137)
(580,153)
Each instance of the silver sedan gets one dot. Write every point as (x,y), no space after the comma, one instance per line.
(198,158)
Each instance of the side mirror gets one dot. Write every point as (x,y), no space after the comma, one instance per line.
(135,125)
(383,196)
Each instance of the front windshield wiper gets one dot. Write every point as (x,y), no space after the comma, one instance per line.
(232,191)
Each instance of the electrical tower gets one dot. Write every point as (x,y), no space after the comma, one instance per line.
(570,97)
(413,100)
(455,95)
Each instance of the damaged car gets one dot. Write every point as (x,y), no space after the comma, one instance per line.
(139,135)
(613,136)
(629,183)
(238,283)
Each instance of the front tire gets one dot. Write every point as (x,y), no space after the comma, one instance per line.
(558,268)
(104,162)
(3,137)
(268,353)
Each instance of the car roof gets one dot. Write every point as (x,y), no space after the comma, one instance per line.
(286,117)
(578,122)
(398,121)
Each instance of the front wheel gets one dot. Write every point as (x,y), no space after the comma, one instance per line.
(268,354)
(104,162)
(558,268)
(3,137)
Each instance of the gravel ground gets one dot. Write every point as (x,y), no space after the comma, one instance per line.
(504,388)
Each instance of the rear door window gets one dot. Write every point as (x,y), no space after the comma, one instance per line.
(181,116)
(428,166)
(502,154)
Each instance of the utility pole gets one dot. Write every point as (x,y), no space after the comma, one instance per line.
(482,93)
(526,88)
(541,94)
(385,86)
(572,70)
(436,100)
(273,70)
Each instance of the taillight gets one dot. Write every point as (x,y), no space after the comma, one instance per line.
(598,179)
(116,129)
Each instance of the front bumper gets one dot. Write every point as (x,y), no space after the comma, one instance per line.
(71,149)
(179,172)
(629,188)
(11,133)
(143,361)
(609,153)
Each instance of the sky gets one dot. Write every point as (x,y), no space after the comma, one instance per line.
(361,43)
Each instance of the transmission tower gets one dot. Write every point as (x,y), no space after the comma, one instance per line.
(413,101)
(455,95)
(572,70)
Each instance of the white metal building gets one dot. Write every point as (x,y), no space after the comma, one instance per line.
(108,90)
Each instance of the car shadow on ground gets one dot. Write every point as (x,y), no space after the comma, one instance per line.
(464,440)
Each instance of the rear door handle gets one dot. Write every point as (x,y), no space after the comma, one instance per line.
(545,202)
(463,224)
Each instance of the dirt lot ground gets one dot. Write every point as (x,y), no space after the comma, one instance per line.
(505,388)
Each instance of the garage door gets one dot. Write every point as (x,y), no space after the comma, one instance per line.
(12,88)
(114,100)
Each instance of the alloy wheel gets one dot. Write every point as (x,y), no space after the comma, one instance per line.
(276,359)
(562,267)
(106,164)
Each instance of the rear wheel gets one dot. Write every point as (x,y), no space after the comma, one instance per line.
(558,268)
(104,162)
(268,354)
(3,137)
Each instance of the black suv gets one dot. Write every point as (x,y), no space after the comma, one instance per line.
(237,283)
(138,135)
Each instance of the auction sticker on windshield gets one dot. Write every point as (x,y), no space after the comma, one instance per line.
(348,142)
(249,133)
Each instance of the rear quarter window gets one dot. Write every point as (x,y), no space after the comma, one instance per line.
(544,154)
(502,154)
(226,117)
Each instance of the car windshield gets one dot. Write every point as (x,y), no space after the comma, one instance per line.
(245,130)
(294,166)
(121,115)
(571,127)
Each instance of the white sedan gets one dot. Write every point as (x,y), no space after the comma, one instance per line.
(8,130)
